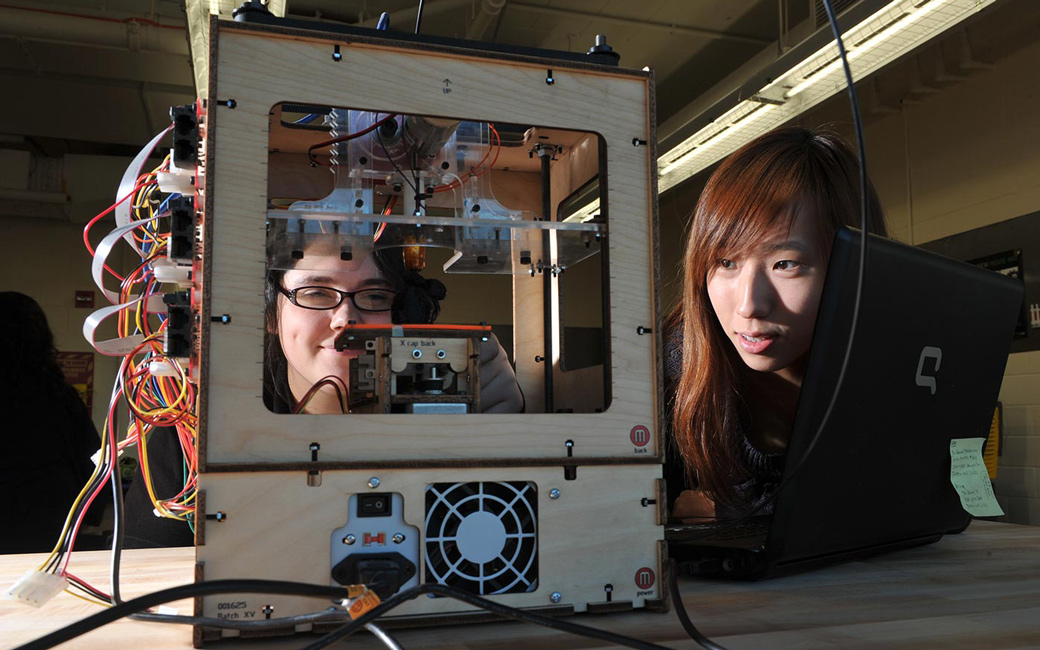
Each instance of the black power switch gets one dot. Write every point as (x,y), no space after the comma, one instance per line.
(374,505)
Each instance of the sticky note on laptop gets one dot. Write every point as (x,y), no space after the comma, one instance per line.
(971,479)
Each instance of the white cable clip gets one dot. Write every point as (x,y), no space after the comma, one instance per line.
(169,272)
(179,180)
(36,587)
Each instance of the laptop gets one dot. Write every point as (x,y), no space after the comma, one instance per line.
(926,366)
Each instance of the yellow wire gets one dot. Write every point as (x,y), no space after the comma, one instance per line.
(67,527)
(90,599)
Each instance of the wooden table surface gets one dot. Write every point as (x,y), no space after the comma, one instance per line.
(979,589)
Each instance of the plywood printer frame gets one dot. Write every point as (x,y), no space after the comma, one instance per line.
(598,475)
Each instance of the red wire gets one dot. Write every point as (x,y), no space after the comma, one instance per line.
(344,138)
(83,584)
(111,441)
(90,224)
(474,173)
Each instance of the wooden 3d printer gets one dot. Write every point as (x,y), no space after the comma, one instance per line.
(525,182)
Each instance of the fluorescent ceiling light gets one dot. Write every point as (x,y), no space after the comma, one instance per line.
(896,29)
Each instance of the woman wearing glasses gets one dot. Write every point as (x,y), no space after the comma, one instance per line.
(308,308)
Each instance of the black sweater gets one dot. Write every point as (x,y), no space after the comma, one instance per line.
(762,471)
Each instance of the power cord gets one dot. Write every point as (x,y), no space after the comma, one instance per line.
(673,584)
(485,604)
(142,603)
(680,611)
(135,605)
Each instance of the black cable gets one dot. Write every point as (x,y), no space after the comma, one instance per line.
(88,589)
(346,138)
(135,605)
(93,485)
(680,611)
(142,603)
(419,198)
(418,17)
(485,604)
(117,528)
(396,166)
(332,615)
(861,151)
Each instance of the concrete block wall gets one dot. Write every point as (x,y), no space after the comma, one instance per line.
(964,157)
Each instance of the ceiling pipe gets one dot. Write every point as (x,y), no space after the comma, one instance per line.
(486,14)
(91,31)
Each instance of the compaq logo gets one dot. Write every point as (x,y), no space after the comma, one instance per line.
(928,353)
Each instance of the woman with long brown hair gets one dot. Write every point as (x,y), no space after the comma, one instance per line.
(736,345)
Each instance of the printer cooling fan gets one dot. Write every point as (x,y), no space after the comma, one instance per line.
(483,537)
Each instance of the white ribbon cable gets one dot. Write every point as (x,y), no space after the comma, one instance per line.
(129,182)
(102,252)
(119,346)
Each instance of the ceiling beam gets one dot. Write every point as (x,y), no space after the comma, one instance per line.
(671,28)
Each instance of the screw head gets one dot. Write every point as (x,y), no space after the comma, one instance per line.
(555,597)
(397,538)
(349,539)
(373,482)
(554,494)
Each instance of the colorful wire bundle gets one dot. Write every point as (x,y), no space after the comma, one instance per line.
(154,389)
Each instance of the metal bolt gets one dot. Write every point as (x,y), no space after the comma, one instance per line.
(555,596)
(349,539)
(373,482)
(398,538)
(417,353)
(554,494)
(441,354)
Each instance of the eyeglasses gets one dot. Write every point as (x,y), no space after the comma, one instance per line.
(370,300)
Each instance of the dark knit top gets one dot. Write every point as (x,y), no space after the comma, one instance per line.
(762,471)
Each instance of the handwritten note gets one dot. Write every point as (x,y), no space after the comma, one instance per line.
(970,478)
